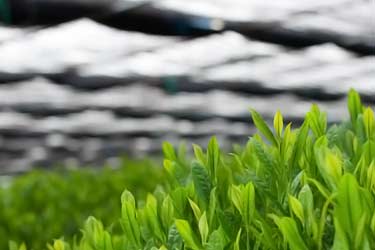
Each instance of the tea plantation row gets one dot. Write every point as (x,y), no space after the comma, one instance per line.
(311,187)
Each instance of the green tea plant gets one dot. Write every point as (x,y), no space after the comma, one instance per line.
(312,187)
(43,205)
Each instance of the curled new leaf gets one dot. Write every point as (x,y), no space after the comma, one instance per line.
(278,124)
(213,158)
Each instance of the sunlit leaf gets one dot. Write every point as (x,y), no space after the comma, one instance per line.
(263,127)
(187,234)
(278,124)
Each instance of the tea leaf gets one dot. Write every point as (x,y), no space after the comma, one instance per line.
(306,198)
(202,182)
(297,208)
(58,245)
(278,124)
(203,228)
(317,121)
(197,212)
(263,128)
(151,210)
(169,152)
(320,187)
(349,212)
(299,144)
(290,232)
(285,143)
(167,211)
(217,240)
(329,165)
(235,195)
(369,123)
(354,105)
(174,239)
(199,155)
(248,203)
(187,234)
(128,220)
(213,157)
(311,188)
(179,198)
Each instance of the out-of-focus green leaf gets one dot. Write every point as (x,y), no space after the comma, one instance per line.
(297,208)
(237,242)
(213,158)
(169,152)
(369,123)
(199,155)
(203,228)
(288,228)
(217,240)
(350,215)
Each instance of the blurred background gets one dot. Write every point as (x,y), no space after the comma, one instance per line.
(85,81)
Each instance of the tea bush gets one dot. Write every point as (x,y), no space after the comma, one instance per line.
(43,205)
(312,187)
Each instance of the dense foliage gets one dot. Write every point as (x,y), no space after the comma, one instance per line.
(43,205)
(305,188)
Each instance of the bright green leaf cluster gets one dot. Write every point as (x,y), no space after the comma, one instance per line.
(312,187)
